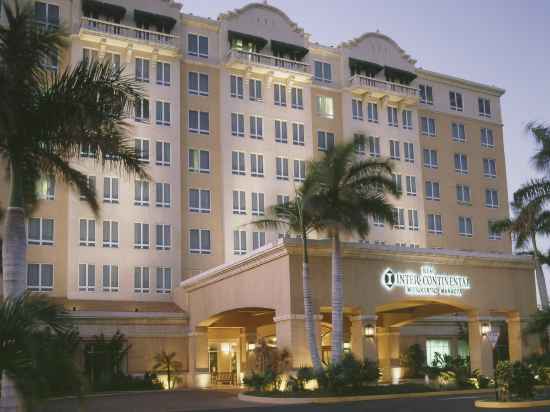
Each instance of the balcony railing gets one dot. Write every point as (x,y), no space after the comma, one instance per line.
(128,32)
(248,57)
(382,85)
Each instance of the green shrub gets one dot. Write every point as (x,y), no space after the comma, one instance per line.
(451,370)
(515,380)
(414,359)
(297,383)
(350,374)
(260,381)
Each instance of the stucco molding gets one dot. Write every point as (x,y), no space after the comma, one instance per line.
(202,22)
(356,41)
(365,318)
(454,81)
(93,314)
(293,316)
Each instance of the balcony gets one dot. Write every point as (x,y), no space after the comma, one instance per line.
(380,89)
(119,35)
(265,64)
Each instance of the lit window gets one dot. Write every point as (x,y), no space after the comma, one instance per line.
(325,106)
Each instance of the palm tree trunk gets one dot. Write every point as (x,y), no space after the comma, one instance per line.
(539,275)
(14,254)
(337,301)
(311,330)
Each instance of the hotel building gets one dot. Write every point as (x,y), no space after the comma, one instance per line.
(233,110)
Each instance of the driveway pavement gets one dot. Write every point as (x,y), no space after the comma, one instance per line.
(224,400)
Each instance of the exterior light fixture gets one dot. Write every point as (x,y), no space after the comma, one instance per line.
(369,331)
(347,345)
(226,347)
(485,329)
(251,347)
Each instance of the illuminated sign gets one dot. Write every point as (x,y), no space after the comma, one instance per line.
(426,283)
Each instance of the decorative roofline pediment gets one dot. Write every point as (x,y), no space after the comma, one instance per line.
(354,42)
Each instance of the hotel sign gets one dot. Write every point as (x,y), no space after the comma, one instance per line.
(428,282)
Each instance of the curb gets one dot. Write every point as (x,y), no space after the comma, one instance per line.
(334,399)
(511,405)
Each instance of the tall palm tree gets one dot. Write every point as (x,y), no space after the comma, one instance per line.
(294,216)
(347,192)
(529,221)
(539,324)
(45,117)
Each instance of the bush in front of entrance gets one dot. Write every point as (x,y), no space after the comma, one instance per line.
(298,383)
(541,366)
(348,375)
(261,381)
(514,380)
(451,371)
(414,360)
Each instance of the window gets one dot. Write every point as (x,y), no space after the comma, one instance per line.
(279,95)
(434,224)
(87,232)
(237,163)
(255,90)
(110,278)
(392,117)
(199,241)
(40,277)
(141,279)
(491,198)
(92,55)
(484,106)
(325,140)
(395,153)
(407,120)
(198,84)
(427,125)
(283,199)
(411,185)
(239,202)
(162,154)
(163,113)
(258,240)
(461,163)
(465,226)
(457,130)
(199,122)
(430,158)
(236,85)
(299,170)
(455,100)
(463,194)
(378,221)
(141,236)
(40,231)
(256,127)
(237,124)
(90,184)
(88,151)
(325,106)
(239,242)
(199,161)
(86,277)
(281,134)
(374,146)
(414,224)
(490,168)
(46,15)
(426,96)
(356,109)
(399,218)
(258,208)
(142,69)
(281,166)
(256,165)
(323,71)
(141,193)
(164,237)
(110,233)
(164,280)
(493,234)
(163,73)
(298,134)
(45,188)
(297,96)
(409,152)
(142,149)
(433,346)
(113,59)
(372,112)
(360,145)
(487,139)
(197,45)
(199,200)
(397,182)
(142,110)
(432,190)
(162,194)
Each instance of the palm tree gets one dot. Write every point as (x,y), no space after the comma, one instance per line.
(294,216)
(530,220)
(539,324)
(166,363)
(45,117)
(347,192)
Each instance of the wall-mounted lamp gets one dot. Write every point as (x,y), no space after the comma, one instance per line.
(251,347)
(370,330)
(485,329)
(347,346)
(226,347)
